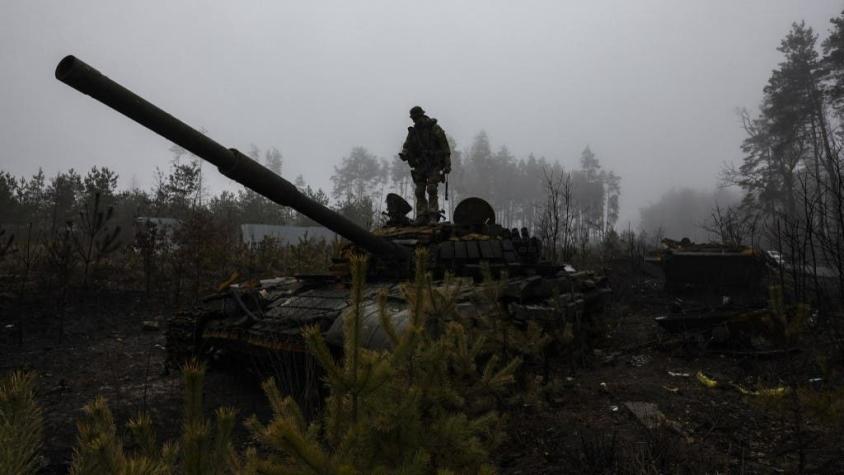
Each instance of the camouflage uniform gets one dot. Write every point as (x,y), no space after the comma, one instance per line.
(427,152)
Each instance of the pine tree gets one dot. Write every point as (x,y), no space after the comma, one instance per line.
(790,126)
(21,425)
(833,61)
(413,409)
(204,448)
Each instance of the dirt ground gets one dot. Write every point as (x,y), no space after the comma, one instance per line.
(587,426)
(581,424)
(108,352)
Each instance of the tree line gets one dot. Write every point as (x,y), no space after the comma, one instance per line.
(75,234)
(791,172)
(360,182)
(517,188)
(75,229)
(790,176)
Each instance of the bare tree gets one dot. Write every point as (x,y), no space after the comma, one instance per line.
(733,225)
(557,219)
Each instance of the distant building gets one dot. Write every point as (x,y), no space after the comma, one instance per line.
(252,234)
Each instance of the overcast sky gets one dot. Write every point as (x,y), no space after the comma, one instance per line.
(651,86)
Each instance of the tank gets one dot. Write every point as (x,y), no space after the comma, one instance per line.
(264,321)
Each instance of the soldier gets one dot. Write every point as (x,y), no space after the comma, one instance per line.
(427,152)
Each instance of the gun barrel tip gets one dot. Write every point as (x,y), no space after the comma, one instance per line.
(65,66)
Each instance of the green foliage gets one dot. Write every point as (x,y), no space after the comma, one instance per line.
(533,341)
(505,336)
(99,450)
(21,424)
(418,408)
(203,449)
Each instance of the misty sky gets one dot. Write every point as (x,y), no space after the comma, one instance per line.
(651,86)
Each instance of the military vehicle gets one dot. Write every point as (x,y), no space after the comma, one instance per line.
(264,320)
(722,296)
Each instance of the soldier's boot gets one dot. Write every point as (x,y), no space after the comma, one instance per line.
(433,203)
(422,216)
(421,205)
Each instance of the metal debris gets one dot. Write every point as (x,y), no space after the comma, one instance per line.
(718,268)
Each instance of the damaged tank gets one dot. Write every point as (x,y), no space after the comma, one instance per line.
(263,320)
(724,297)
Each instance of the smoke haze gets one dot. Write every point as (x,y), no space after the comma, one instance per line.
(651,86)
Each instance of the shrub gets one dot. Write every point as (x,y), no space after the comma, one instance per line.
(203,449)
(414,409)
(21,425)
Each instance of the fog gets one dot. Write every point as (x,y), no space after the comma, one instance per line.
(651,86)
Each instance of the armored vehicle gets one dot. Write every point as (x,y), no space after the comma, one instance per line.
(264,320)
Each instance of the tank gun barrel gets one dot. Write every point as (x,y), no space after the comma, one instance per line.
(230,162)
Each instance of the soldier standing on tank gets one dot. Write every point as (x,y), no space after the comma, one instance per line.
(427,152)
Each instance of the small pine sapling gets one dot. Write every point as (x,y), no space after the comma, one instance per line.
(95,238)
(203,449)
(21,424)
(505,337)
(412,409)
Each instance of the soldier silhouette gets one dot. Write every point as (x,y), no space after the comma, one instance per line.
(427,152)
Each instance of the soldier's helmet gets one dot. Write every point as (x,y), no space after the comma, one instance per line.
(416,111)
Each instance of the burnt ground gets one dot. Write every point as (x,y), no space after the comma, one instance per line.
(584,426)
(102,348)
(579,424)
